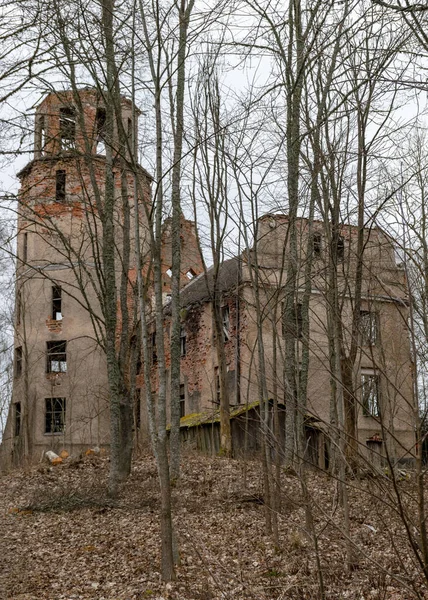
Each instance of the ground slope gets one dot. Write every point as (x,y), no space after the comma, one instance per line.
(61,538)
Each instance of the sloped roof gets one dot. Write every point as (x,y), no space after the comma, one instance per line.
(213,416)
(200,289)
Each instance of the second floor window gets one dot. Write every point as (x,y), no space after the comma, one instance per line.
(368,327)
(340,249)
(18,361)
(370,394)
(316,244)
(56,303)
(56,357)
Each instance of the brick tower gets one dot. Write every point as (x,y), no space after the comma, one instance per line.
(60,394)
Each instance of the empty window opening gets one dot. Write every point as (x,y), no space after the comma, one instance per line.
(190,274)
(57,302)
(18,361)
(55,415)
(137,415)
(340,249)
(60,186)
(217,385)
(67,128)
(56,357)
(17,418)
(40,136)
(183,341)
(317,244)
(100,123)
(368,327)
(226,322)
(25,248)
(370,394)
(182,400)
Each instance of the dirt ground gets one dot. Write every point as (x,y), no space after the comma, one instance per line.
(63,539)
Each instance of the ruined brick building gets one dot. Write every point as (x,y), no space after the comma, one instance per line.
(60,391)
(383,373)
(60,397)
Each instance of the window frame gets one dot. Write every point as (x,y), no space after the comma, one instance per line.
(317,244)
(57,301)
(18,361)
(67,128)
(369,330)
(182,400)
(370,394)
(340,249)
(54,351)
(225,321)
(56,423)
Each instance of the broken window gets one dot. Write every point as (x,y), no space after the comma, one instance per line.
(217,385)
(40,136)
(56,302)
(18,361)
(100,123)
(226,322)
(67,128)
(368,327)
(56,357)
(370,394)
(55,415)
(183,340)
(340,249)
(60,186)
(317,243)
(17,418)
(190,274)
(182,400)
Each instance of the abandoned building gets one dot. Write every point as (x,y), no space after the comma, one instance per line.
(383,372)
(59,394)
(60,390)
(60,387)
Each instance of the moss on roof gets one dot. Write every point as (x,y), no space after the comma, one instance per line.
(213,415)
